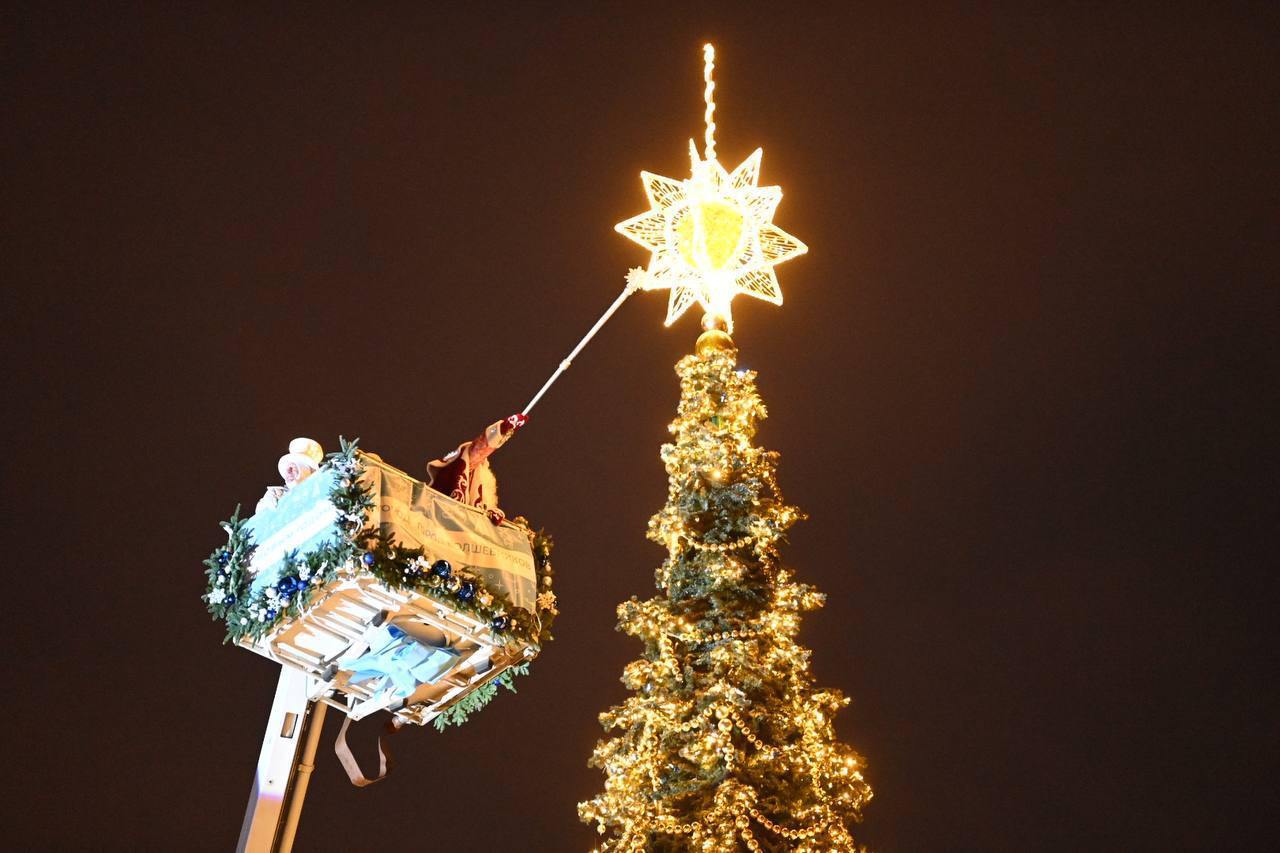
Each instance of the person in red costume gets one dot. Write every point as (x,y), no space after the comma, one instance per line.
(464,474)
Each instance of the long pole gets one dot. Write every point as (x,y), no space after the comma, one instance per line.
(633,284)
(302,776)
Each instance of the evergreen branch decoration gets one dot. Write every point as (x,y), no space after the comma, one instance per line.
(458,713)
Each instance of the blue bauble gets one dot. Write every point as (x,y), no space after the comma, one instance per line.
(501,623)
(442,568)
(229,601)
(271,613)
(368,558)
(467,591)
(224,558)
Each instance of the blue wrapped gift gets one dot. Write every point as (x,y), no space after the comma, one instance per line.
(400,659)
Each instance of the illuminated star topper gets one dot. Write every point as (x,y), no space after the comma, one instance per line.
(712,235)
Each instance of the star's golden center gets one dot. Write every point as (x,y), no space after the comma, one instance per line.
(709,235)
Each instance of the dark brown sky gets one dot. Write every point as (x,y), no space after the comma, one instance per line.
(1020,383)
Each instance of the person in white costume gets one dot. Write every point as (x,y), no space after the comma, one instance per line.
(302,460)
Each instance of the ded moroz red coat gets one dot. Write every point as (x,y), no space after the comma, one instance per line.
(464,473)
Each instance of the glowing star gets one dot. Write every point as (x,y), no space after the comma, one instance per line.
(712,236)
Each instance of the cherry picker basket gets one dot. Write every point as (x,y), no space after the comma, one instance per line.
(386,594)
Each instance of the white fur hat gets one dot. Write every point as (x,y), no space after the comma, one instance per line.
(303,452)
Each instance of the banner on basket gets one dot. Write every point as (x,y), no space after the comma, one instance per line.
(420,517)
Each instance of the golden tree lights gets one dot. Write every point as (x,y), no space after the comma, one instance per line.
(726,743)
(712,235)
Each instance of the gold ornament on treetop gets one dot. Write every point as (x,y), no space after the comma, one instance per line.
(714,340)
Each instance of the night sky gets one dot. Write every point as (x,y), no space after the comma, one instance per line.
(1023,384)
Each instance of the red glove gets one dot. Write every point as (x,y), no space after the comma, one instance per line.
(514,423)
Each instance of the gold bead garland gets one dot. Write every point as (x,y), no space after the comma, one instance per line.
(722,547)
(793,834)
(719,636)
(750,735)
(670,825)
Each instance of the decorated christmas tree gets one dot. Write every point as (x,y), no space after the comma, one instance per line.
(727,742)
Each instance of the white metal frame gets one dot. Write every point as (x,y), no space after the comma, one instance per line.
(339,623)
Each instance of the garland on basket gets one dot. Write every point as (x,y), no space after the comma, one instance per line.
(358,547)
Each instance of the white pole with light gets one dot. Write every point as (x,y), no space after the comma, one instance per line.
(634,279)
